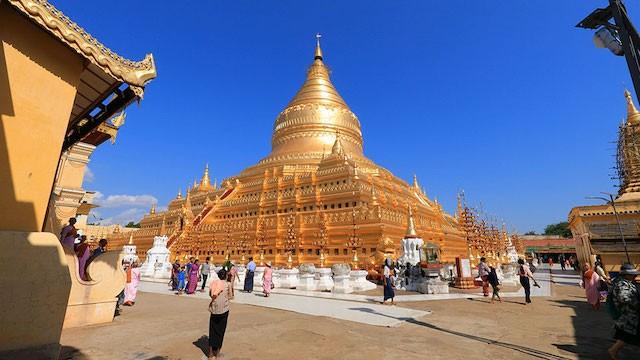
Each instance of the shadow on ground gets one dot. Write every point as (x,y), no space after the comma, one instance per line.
(519,348)
(203,344)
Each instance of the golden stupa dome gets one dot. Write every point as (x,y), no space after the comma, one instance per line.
(309,125)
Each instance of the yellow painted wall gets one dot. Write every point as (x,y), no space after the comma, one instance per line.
(38,79)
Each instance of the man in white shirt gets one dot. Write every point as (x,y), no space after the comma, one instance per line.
(483,272)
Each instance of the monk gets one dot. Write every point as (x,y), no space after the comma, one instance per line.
(267,279)
(590,281)
(193,277)
(131,289)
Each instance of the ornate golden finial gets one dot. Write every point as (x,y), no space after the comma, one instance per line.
(205,183)
(633,116)
(131,238)
(179,196)
(415,182)
(411,226)
(163,229)
(215,183)
(153,209)
(195,184)
(318,54)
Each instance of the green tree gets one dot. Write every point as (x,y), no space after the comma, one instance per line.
(131,224)
(561,228)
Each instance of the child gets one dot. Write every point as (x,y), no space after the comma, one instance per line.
(181,275)
(495,284)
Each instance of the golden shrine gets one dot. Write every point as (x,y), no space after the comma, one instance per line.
(485,239)
(316,197)
(595,228)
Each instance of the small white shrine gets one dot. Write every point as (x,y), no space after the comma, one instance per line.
(129,251)
(157,266)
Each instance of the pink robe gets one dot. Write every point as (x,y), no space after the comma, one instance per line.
(193,278)
(131,290)
(591,288)
(267,280)
(83,254)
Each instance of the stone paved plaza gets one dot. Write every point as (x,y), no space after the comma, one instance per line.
(287,326)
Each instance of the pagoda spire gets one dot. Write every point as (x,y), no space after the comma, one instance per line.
(415,182)
(131,238)
(152,211)
(205,183)
(411,226)
(633,115)
(179,196)
(163,227)
(318,53)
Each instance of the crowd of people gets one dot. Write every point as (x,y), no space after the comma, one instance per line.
(71,239)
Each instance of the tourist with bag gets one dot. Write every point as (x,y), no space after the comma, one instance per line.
(221,295)
(625,298)
(267,280)
(525,274)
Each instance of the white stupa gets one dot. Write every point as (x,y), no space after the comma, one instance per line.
(411,244)
(129,251)
(157,265)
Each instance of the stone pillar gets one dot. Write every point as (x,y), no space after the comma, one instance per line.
(359,281)
(324,282)
(289,278)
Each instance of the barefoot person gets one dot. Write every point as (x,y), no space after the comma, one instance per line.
(483,272)
(495,284)
(248,279)
(83,253)
(194,271)
(525,274)
(220,292)
(590,282)
(389,293)
(267,279)
(131,290)
(627,302)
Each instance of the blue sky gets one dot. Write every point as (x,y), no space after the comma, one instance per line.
(504,99)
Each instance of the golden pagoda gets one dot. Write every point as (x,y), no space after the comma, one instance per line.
(316,180)
(595,228)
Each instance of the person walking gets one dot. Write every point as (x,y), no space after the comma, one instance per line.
(494,280)
(180,278)
(561,260)
(267,279)
(626,298)
(248,279)
(193,277)
(389,293)
(69,233)
(175,269)
(525,274)
(483,272)
(204,271)
(188,268)
(221,295)
(590,282)
(131,289)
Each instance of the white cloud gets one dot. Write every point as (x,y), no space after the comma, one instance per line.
(89,177)
(116,201)
(124,217)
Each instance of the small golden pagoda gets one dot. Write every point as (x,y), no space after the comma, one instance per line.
(308,200)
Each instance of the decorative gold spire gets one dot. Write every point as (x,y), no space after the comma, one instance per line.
(411,226)
(633,116)
(308,122)
(153,209)
(318,55)
(195,185)
(205,183)
(179,196)
(163,227)
(215,183)
(415,182)
(131,238)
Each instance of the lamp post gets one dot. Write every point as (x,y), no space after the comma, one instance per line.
(615,211)
(621,37)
